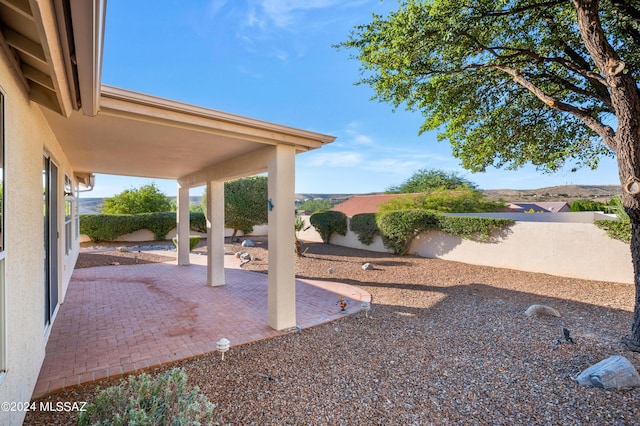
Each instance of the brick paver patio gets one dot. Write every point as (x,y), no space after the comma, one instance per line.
(120,319)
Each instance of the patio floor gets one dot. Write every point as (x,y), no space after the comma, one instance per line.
(121,319)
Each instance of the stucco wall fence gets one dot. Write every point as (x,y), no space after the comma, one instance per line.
(562,244)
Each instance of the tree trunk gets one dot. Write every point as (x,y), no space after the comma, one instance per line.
(626,140)
(632,341)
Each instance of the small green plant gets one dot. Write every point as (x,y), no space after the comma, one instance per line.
(299,226)
(142,400)
(193,241)
(326,223)
(619,229)
(364,225)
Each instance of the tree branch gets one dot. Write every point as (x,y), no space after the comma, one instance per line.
(515,10)
(606,132)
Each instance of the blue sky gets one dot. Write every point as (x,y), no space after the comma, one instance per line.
(272,60)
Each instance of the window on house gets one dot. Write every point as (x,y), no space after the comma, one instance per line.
(68,214)
(77,212)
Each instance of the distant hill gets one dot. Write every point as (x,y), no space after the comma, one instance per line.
(602,193)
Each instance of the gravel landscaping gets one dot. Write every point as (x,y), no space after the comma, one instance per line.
(444,343)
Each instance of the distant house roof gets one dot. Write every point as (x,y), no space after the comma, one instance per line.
(541,207)
(363,204)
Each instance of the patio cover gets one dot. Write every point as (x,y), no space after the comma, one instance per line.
(55,47)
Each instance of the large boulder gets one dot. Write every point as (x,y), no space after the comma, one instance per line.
(615,372)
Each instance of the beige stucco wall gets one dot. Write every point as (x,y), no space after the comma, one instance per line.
(571,247)
(146,235)
(27,137)
(576,250)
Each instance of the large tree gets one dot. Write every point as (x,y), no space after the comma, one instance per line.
(146,199)
(511,82)
(425,180)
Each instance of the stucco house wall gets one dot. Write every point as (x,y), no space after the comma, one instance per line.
(27,137)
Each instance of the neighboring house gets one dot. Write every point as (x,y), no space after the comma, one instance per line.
(59,126)
(363,204)
(541,207)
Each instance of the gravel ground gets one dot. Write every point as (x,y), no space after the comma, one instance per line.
(444,343)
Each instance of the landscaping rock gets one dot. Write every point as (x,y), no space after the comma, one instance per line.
(367,266)
(541,310)
(248,243)
(123,249)
(615,372)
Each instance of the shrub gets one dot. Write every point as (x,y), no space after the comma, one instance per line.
(616,229)
(193,241)
(364,225)
(399,228)
(461,200)
(619,229)
(105,227)
(146,199)
(472,228)
(198,222)
(142,400)
(326,223)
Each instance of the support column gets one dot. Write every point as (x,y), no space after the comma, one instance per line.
(215,233)
(281,293)
(183,226)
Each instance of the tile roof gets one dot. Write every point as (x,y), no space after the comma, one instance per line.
(363,204)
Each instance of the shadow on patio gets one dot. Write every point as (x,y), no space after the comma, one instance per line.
(121,319)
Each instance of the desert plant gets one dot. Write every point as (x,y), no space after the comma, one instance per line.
(193,241)
(326,223)
(142,400)
(619,229)
(299,226)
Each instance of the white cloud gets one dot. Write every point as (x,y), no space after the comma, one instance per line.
(393,165)
(282,12)
(334,159)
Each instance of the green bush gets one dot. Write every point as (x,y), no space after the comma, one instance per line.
(364,225)
(616,229)
(198,222)
(142,400)
(105,227)
(399,228)
(193,241)
(326,223)
(619,229)
(461,200)
(472,228)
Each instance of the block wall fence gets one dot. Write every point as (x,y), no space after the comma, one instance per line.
(562,244)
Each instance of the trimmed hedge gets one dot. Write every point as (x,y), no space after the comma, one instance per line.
(106,227)
(326,223)
(400,227)
(365,227)
(472,228)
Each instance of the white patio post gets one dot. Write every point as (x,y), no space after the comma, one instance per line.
(281,293)
(183,226)
(215,233)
